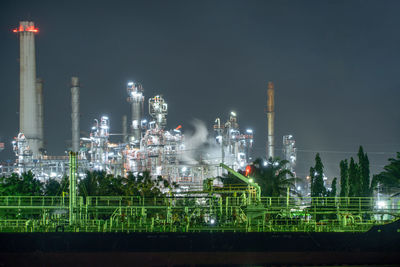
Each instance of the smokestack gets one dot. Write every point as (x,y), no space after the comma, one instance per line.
(28,110)
(271,118)
(39,92)
(75,113)
(124,128)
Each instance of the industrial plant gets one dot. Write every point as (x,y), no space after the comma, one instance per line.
(158,182)
(146,144)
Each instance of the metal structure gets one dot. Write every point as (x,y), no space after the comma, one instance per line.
(235,145)
(214,211)
(290,151)
(75,113)
(135,92)
(124,129)
(28,114)
(73,173)
(158,110)
(40,105)
(270,117)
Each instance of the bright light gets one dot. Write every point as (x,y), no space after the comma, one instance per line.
(184,169)
(250,131)
(144,121)
(130,83)
(212,221)
(299,188)
(26,29)
(276,164)
(381,204)
(233,113)
(265,163)
(251,180)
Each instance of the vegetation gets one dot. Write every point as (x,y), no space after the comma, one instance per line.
(317,178)
(273,177)
(96,183)
(355,177)
(390,176)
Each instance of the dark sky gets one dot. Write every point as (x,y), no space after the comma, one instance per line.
(335,65)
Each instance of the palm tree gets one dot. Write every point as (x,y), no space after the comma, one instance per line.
(273,177)
(390,177)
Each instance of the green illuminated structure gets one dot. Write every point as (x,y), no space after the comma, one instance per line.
(215,209)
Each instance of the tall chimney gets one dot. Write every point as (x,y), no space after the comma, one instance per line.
(271,118)
(124,128)
(28,110)
(39,92)
(75,113)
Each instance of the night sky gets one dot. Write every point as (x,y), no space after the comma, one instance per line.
(335,65)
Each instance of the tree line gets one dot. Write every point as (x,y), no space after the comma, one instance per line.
(94,183)
(272,175)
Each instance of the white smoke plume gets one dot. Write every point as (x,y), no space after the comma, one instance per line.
(200,148)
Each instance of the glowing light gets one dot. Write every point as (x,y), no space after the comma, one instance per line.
(381,204)
(26,29)
(184,169)
(212,221)
(179,127)
(248,170)
(251,180)
(233,113)
(250,131)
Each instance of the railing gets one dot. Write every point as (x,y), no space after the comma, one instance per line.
(32,201)
(202,213)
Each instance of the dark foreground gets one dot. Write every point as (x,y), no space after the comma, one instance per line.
(379,246)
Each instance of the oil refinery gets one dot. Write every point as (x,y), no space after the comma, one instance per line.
(146,144)
(193,210)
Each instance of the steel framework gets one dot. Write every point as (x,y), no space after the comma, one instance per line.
(210,212)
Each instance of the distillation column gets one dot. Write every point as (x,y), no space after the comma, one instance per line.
(270,118)
(39,92)
(135,92)
(28,113)
(75,113)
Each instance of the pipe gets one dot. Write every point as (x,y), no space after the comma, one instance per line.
(271,118)
(75,113)
(124,129)
(28,113)
(39,92)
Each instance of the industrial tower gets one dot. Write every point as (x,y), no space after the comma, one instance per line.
(270,118)
(29,109)
(136,98)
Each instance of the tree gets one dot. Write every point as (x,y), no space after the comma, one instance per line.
(390,176)
(333,192)
(317,178)
(354,179)
(344,178)
(24,185)
(52,188)
(273,177)
(363,161)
